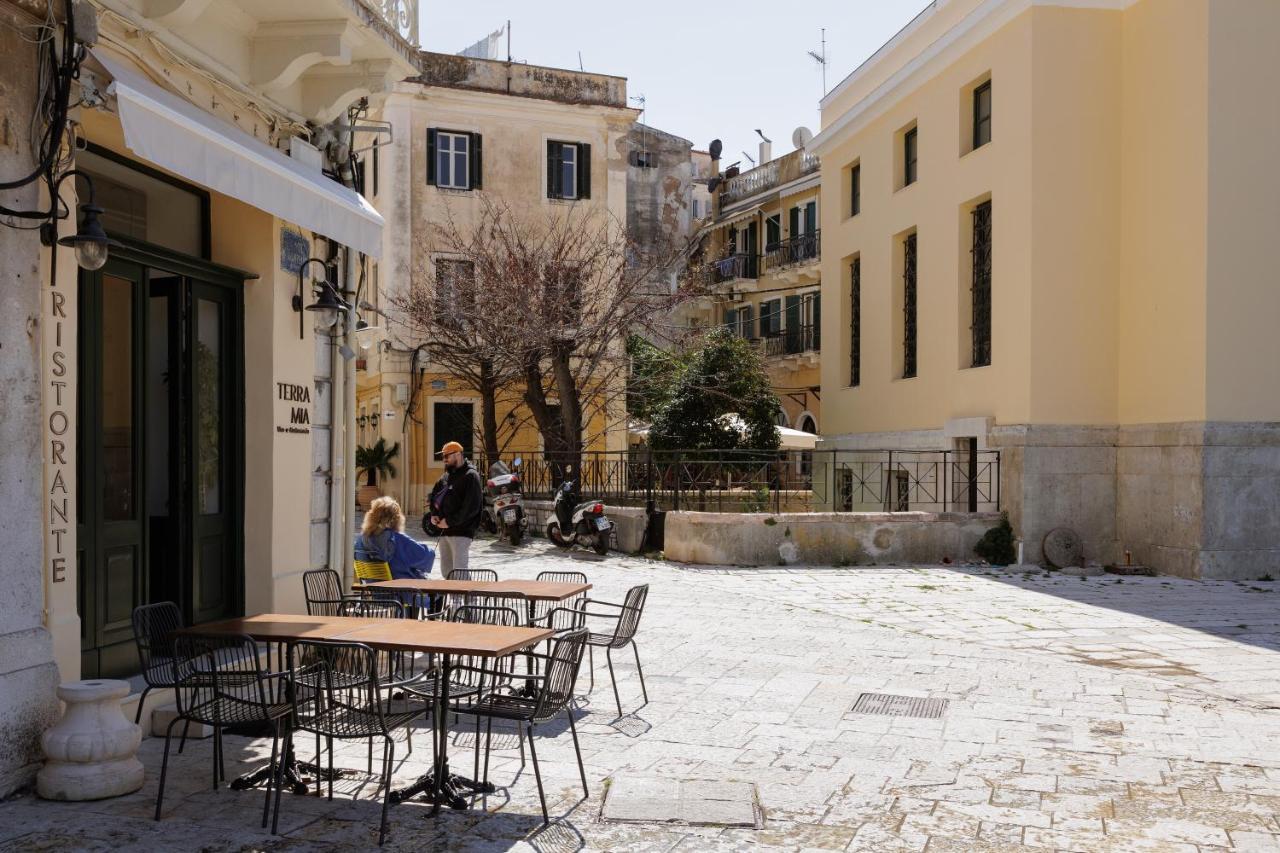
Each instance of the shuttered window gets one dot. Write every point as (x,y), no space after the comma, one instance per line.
(568,170)
(453,159)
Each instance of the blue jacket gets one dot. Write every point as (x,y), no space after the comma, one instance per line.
(408,559)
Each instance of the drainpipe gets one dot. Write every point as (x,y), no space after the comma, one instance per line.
(348,424)
(337,469)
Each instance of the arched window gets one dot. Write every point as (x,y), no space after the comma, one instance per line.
(807,424)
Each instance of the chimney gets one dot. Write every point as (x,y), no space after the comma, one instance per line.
(766,153)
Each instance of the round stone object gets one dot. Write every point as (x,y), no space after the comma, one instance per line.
(1063,548)
(92,750)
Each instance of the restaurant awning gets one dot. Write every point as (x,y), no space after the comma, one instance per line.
(167,130)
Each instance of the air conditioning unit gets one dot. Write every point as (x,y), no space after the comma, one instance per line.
(402,393)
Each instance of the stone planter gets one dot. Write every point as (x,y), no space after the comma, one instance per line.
(366,495)
(92,750)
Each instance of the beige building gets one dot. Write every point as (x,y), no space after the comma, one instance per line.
(762,248)
(1048,230)
(466,130)
(173,420)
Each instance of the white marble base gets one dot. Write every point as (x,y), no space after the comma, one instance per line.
(92,750)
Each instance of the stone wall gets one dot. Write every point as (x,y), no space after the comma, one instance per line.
(28,675)
(859,538)
(629,523)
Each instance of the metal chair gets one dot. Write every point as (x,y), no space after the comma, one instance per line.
(369,571)
(323,588)
(567,621)
(153,626)
(220,683)
(626,619)
(555,690)
(349,703)
(472,575)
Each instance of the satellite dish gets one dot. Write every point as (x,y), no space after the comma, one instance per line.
(715,148)
(800,136)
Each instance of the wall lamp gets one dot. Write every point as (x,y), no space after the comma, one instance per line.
(373,420)
(90,240)
(328,300)
(362,420)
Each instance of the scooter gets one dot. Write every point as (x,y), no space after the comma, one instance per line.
(585,522)
(503,511)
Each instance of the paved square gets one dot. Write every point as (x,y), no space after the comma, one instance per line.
(1084,714)
(692,802)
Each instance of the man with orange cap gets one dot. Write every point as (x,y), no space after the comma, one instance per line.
(456,503)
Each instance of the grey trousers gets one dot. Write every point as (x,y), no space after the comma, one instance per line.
(454,553)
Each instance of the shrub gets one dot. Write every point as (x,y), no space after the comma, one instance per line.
(996,545)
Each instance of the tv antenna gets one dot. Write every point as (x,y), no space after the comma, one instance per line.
(821,59)
(749,157)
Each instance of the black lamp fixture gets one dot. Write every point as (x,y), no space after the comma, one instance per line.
(90,241)
(327,300)
(373,420)
(362,420)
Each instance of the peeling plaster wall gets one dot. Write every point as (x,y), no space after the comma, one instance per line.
(27,672)
(516,78)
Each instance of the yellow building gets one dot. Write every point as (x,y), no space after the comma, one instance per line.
(1047,230)
(463,131)
(762,250)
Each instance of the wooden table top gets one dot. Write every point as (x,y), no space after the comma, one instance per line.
(537,590)
(386,634)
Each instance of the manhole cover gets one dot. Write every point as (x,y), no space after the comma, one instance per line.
(685,801)
(889,705)
(1062,548)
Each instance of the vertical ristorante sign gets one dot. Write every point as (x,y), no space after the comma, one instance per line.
(59,334)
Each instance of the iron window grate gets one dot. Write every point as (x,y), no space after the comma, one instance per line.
(891,705)
(909,306)
(981,290)
(855,322)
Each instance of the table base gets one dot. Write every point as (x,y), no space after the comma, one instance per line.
(298,776)
(453,793)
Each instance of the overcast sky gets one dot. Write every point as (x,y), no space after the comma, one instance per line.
(707,70)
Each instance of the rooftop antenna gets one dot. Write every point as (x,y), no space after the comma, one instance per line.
(749,157)
(580,68)
(821,59)
(508,39)
(644,124)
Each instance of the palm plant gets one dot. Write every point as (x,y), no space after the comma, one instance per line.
(376,459)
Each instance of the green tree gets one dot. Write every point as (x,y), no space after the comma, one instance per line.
(725,375)
(376,459)
(652,378)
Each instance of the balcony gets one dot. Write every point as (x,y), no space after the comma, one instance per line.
(799,341)
(767,176)
(793,251)
(734,267)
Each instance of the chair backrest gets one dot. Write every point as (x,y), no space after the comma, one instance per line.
(373,608)
(561,674)
(472,575)
(632,608)
(153,626)
(323,588)
(372,570)
(563,620)
(347,677)
(219,666)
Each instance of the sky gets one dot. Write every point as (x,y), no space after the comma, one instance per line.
(706,70)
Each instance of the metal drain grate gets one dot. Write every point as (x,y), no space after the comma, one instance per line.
(889,705)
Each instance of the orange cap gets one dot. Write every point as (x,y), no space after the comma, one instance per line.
(450,447)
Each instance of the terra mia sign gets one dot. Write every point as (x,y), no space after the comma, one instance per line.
(299,399)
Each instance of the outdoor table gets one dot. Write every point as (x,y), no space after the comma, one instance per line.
(532,590)
(443,638)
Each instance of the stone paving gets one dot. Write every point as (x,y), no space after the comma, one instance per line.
(1083,715)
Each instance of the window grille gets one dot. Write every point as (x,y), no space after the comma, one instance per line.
(981,290)
(855,322)
(909,307)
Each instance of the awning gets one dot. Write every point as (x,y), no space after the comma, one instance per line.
(788,439)
(730,219)
(170,132)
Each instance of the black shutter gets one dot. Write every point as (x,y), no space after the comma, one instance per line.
(794,223)
(584,170)
(748,322)
(476,169)
(431,156)
(375,168)
(553,170)
(817,322)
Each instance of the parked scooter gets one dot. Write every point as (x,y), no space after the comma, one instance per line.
(585,523)
(503,511)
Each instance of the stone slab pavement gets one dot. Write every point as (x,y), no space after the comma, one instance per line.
(1083,715)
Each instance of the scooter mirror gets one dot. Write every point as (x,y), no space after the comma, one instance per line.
(517,462)
(568,469)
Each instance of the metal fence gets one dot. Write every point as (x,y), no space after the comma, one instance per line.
(781,481)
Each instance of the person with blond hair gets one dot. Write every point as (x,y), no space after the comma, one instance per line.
(382,540)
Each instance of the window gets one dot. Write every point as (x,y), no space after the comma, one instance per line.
(772,232)
(644,159)
(855,189)
(747,322)
(855,322)
(909,143)
(568,170)
(982,115)
(981,289)
(452,422)
(909,306)
(453,159)
(771,318)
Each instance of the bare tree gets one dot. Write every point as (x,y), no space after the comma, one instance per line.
(541,301)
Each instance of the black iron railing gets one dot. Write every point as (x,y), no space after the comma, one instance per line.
(735,267)
(778,481)
(798,249)
(793,341)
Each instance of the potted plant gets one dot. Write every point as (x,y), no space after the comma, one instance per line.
(373,461)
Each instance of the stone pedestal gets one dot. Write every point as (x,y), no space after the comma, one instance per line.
(92,750)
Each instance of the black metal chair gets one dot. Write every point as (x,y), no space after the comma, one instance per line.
(220,682)
(323,588)
(349,702)
(567,620)
(153,627)
(550,699)
(472,575)
(626,619)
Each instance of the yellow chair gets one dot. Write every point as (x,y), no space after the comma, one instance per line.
(369,571)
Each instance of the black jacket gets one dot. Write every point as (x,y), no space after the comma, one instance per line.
(458,498)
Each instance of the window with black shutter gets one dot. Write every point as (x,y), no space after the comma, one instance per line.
(453,159)
(909,145)
(568,170)
(855,189)
(982,115)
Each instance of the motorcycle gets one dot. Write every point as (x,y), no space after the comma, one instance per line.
(503,511)
(585,521)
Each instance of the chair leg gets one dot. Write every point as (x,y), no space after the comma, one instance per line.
(537,774)
(608,656)
(216,741)
(182,744)
(488,741)
(636,650)
(329,744)
(164,765)
(142,700)
(591,668)
(582,771)
(288,750)
(520,740)
(222,757)
(476,771)
(388,758)
(274,777)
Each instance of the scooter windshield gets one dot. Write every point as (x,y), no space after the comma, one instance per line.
(497,469)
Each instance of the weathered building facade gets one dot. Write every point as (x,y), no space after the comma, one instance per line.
(1047,230)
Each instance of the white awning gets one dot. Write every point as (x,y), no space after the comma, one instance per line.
(170,132)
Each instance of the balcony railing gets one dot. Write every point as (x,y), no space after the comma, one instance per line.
(735,267)
(400,15)
(806,338)
(794,250)
(766,176)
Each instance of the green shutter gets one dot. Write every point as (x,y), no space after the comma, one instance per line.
(553,170)
(794,223)
(817,322)
(431,156)
(584,170)
(731,319)
(811,217)
(793,323)
(474,160)
(748,321)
